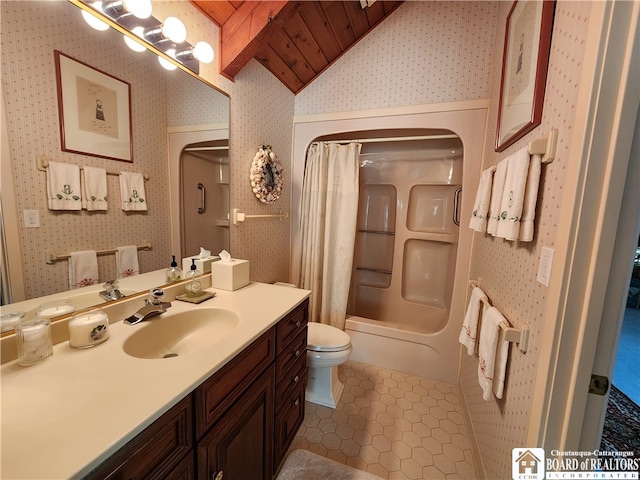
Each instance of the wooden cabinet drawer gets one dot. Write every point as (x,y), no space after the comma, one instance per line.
(225,387)
(290,354)
(155,452)
(288,421)
(290,380)
(291,325)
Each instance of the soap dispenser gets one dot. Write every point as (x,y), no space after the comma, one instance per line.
(174,273)
(194,285)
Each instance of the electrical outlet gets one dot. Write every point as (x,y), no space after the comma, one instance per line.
(544,267)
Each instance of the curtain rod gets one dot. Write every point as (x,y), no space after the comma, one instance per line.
(393,139)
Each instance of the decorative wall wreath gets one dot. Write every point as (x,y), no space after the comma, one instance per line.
(266,175)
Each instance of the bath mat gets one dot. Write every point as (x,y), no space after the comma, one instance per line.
(306,465)
(621,425)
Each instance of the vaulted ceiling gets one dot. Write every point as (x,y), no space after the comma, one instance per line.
(294,40)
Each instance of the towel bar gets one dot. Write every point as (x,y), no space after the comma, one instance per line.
(51,257)
(42,163)
(237,216)
(519,336)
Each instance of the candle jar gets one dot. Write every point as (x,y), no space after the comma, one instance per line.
(34,341)
(55,309)
(88,329)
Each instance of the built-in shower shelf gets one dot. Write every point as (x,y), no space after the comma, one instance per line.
(222,223)
(379,232)
(375,270)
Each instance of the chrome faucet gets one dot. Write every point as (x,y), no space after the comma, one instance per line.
(111,291)
(153,306)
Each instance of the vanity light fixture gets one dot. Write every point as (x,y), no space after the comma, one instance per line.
(119,8)
(132,44)
(171,29)
(93,21)
(201,51)
(166,64)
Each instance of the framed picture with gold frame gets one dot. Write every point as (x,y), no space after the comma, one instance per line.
(525,62)
(94,110)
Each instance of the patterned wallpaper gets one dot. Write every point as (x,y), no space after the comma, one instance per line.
(502,425)
(424,52)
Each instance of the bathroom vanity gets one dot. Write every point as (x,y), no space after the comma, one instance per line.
(232,407)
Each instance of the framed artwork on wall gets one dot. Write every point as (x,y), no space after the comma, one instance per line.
(94,110)
(524,69)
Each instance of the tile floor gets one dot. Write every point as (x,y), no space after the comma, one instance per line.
(392,424)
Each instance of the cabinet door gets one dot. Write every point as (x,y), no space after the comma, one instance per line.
(240,445)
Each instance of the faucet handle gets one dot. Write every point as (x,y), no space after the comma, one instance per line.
(155,296)
(110,285)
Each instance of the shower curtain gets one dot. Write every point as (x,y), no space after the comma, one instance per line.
(328,226)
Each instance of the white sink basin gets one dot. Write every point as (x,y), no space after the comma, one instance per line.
(173,335)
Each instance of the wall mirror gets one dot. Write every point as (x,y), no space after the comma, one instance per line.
(31,31)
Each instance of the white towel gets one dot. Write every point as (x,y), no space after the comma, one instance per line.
(487,352)
(83,269)
(127,261)
(63,186)
(469,330)
(94,188)
(132,191)
(496,196)
(530,199)
(478,220)
(500,369)
(512,201)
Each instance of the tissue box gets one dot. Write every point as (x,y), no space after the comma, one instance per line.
(230,276)
(202,264)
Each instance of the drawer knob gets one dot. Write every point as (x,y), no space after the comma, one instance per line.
(217,475)
(296,402)
(295,379)
(297,353)
(298,324)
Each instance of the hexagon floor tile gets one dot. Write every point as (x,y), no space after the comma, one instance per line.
(392,424)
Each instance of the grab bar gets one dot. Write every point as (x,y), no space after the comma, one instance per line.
(456,206)
(202,198)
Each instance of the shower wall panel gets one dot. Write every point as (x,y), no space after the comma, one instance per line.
(406,244)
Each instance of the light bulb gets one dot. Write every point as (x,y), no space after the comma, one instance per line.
(203,52)
(138,8)
(166,64)
(174,30)
(93,21)
(132,44)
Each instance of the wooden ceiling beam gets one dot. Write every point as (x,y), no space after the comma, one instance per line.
(249,29)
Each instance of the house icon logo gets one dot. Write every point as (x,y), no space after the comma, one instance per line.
(527,464)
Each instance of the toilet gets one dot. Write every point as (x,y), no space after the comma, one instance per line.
(327,347)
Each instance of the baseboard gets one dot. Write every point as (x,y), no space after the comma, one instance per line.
(475,448)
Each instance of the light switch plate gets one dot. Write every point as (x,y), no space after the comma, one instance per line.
(544,267)
(31,218)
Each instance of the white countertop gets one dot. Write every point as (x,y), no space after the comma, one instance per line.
(63,417)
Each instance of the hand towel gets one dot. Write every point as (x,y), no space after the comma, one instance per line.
(487,350)
(530,199)
(478,220)
(493,215)
(513,195)
(94,188)
(127,261)
(500,369)
(63,186)
(132,191)
(83,269)
(469,329)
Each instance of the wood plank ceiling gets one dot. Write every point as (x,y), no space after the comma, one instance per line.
(294,40)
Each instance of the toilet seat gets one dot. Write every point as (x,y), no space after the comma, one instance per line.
(325,338)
